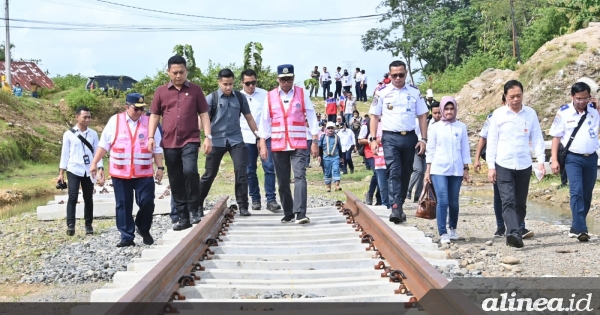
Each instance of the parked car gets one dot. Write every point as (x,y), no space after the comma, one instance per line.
(105,83)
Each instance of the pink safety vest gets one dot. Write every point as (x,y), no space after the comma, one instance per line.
(287,127)
(379,159)
(129,155)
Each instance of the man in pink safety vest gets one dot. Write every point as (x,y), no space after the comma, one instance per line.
(130,166)
(284,116)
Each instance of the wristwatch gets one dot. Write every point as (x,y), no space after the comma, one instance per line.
(371,139)
(162,168)
(424,139)
(209,137)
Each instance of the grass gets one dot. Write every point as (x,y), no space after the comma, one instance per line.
(580,46)
(30,180)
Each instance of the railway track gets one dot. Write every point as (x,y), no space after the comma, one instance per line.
(348,253)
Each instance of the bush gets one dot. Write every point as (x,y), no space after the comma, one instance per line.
(81,97)
(69,81)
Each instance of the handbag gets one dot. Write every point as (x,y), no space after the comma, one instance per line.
(427,203)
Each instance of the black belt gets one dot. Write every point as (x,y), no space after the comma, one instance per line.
(584,155)
(402,133)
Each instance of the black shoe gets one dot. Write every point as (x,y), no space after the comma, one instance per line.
(256,206)
(408,196)
(351,171)
(301,218)
(245,212)
(526,233)
(146,237)
(583,237)
(396,216)
(514,240)
(182,225)
(368,201)
(500,232)
(71,230)
(273,206)
(174,221)
(195,217)
(124,243)
(287,219)
(201,212)
(89,230)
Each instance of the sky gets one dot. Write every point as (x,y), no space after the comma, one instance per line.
(139,54)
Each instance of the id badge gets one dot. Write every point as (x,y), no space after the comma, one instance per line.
(86,159)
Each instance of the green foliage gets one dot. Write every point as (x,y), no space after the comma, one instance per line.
(547,24)
(188,52)
(308,83)
(580,46)
(578,12)
(69,81)
(455,77)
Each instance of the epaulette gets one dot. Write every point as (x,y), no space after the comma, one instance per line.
(490,115)
(592,105)
(413,86)
(564,107)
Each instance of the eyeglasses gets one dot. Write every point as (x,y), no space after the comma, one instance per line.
(397,75)
(582,100)
(137,109)
(286,79)
(330,127)
(249,83)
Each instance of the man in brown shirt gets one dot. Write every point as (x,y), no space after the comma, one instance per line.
(180,102)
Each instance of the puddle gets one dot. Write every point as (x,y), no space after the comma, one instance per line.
(7,211)
(541,211)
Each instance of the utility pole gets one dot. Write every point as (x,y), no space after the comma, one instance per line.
(348,65)
(516,50)
(7,50)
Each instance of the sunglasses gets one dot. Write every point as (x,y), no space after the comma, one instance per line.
(330,127)
(249,83)
(286,79)
(397,75)
(137,109)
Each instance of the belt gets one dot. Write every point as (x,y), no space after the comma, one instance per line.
(402,133)
(584,155)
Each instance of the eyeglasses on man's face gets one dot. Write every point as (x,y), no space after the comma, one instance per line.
(249,83)
(397,75)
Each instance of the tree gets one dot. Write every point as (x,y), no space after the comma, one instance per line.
(188,52)
(266,78)
(3,51)
(579,12)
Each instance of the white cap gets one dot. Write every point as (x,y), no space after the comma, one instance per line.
(330,124)
(430,93)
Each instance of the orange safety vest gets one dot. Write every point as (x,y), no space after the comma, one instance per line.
(287,126)
(129,155)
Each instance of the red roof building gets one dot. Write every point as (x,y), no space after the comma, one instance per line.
(25,73)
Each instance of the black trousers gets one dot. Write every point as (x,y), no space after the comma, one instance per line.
(182,165)
(338,89)
(87,189)
(513,186)
(363,92)
(239,155)
(399,155)
(326,88)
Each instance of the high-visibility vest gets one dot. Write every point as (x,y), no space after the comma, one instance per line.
(129,155)
(287,126)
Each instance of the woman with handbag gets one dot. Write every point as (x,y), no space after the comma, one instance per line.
(448,159)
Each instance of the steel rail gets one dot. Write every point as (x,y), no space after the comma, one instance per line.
(414,273)
(158,286)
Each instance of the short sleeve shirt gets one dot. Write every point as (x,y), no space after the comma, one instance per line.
(486,126)
(566,120)
(399,107)
(225,126)
(179,110)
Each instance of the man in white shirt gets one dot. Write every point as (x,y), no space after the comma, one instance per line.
(325,81)
(256,98)
(338,83)
(357,81)
(348,142)
(511,129)
(575,132)
(78,146)
(397,106)
(285,157)
(419,165)
(363,86)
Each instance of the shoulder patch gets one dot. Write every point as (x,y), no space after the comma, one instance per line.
(564,107)
(490,115)
(413,86)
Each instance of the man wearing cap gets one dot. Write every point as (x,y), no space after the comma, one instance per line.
(397,106)
(284,114)
(429,101)
(130,166)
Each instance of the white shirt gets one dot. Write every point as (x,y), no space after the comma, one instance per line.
(509,136)
(364,79)
(362,134)
(418,128)
(255,101)
(108,134)
(586,139)
(448,148)
(486,127)
(325,76)
(73,150)
(338,76)
(308,134)
(358,77)
(264,128)
(347,139)
(346,81)
(406,104)
(349,109)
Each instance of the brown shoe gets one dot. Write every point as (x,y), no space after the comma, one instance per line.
(328,187)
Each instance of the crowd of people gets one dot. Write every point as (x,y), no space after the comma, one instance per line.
(406,139)
(18,91)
